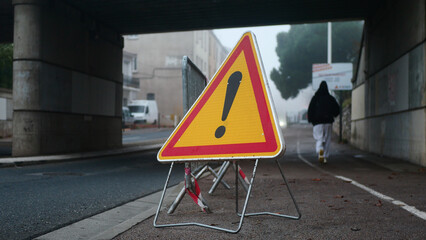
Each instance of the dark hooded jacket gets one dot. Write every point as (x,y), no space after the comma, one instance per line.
(323,107)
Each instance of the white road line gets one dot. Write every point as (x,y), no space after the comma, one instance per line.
(410,209)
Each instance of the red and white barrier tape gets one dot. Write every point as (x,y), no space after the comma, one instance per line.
(243,175)
(194,193)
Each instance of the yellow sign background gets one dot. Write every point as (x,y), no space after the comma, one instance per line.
(242,116)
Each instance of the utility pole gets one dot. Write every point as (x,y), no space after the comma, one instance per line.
(340,94)
(329,43)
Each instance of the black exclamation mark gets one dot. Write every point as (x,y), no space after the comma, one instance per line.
(231,90)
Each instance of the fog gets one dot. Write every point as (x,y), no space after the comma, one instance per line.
(266,40)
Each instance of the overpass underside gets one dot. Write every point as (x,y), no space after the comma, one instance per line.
(68,80)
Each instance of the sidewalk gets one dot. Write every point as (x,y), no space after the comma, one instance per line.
(331,208)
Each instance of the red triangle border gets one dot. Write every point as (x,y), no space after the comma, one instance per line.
(241,148)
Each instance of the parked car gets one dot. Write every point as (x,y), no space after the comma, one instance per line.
(127,120)
(144,111)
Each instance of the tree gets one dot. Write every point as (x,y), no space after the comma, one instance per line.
(6,65)
(305,45)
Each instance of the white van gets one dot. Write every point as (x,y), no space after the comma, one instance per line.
(144,111)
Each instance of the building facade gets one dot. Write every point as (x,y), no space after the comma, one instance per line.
(131,85)
(159,65)
(6,112)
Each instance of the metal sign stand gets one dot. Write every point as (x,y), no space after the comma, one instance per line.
(242,214)
(271,148)
(218,179)
(199,172)
(299,215)
(222,172)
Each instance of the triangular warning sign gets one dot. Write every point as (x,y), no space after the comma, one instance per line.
(232,118)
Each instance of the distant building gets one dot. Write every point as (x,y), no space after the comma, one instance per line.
(159,65)
(131,85)
(303,116)
(6,112)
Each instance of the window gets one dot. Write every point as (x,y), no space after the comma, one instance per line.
(127,68)
(150,96)
(137,109)
(135,64)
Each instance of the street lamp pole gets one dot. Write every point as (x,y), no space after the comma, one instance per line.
(329,43)
(329,47)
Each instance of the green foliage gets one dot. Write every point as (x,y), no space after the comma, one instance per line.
(6,66)
(305,45)
(347,102)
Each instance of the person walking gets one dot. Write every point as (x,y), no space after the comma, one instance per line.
(322,110)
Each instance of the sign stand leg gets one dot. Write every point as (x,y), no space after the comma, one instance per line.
(162,195)
(199,172)
(176,202)
(200,224)
(206,167)
(299,215)
(220,175)
(220,169)
(236,187)
(243,182)
(211,170)
(182,192)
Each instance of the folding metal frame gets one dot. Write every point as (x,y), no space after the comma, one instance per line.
(242,214)
(221,174)
(199,172)
(299,215)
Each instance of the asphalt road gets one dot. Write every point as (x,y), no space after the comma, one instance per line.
(129,137)
(146,134)
(40,198)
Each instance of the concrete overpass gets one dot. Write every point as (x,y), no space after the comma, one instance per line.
(67,64)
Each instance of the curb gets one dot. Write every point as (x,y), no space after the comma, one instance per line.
(113,222)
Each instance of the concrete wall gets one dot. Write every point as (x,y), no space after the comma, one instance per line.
(389,95)
(67,80)
(346,123)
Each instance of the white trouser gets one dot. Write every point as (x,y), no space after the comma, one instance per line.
(322,134)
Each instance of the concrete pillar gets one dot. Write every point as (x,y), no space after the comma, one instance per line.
(67,80)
